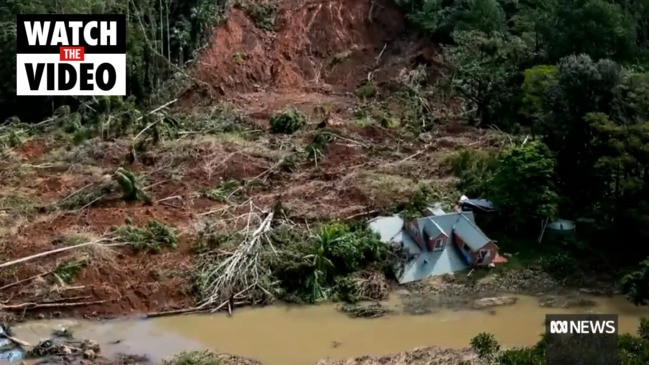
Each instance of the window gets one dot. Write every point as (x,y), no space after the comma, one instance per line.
(483,254)
(439,244)
(466,247)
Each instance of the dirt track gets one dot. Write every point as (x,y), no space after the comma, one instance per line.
(368,169)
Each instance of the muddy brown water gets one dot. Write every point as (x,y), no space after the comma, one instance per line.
(288,335)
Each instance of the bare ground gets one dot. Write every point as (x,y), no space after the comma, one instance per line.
(421,356)
(367,167)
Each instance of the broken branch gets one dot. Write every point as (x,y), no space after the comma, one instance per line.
(17,341)
(25,280)
(52,252)
(173,312)
(239,272)
(30,306)
(154,123)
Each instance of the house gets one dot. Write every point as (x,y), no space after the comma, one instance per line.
(438,243)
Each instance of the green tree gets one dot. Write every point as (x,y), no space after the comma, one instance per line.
(530,165)
(486,72)
(485,345)
(598,28)
(583,86)
(441,18)
(536,83)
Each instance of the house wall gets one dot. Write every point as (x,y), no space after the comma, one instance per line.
(415,232)
(431,242)
(493,250)
(460,246)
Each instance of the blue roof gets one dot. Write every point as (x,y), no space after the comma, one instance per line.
(425,263)
(470,233)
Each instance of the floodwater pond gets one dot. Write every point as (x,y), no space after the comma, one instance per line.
(292,335)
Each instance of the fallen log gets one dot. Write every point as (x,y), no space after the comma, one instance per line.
(31,306)
(174,312)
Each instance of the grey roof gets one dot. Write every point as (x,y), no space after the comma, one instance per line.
(470,233)
(436,209)
(444,222)
(433,229)
(425,263)
(389,228)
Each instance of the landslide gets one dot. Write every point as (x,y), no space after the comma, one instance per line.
(318,53)
(323,46)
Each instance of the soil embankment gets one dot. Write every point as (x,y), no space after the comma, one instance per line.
(421,356)
(322,47)
(319,53)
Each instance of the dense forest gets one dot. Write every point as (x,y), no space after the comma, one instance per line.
(571,74)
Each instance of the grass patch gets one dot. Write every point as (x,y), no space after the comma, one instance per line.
(288,121)
(262,13)
(367,90)
(68,271)
(16,204)
(194,358)
(154,237)
(227,189)
(387,184)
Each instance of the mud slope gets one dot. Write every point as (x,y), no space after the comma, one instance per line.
(319,53)
(420,356)
(322,46)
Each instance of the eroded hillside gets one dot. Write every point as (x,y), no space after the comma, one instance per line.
(363,150)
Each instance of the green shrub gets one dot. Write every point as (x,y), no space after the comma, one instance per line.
(485,345)
(288,121)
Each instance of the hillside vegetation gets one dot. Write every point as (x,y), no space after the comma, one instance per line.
(259,135)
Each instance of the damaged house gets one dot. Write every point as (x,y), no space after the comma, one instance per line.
(438,243)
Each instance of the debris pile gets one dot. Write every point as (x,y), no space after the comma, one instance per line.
(60,348)
(9,348)
(365,310)
(64,349)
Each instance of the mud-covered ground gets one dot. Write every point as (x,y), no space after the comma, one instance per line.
(421,356)
(366,167)
(460,291)
(315,61)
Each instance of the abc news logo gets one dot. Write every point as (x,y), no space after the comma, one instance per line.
(71,54)
(590,339)
(583,327)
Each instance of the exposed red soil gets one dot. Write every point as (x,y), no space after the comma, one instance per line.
(130,284)
(321,51)
(32,149)
(309,35)
(322,46)
(341,156)
(137,283)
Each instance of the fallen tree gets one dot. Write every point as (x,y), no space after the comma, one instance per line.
(228,282)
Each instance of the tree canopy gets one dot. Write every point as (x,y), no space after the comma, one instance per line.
(570,74)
